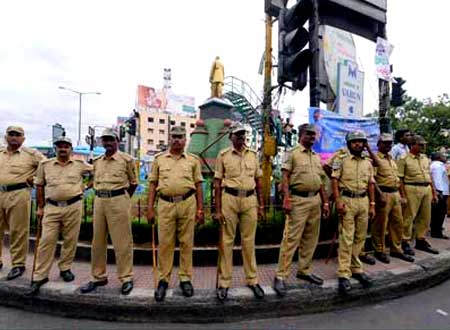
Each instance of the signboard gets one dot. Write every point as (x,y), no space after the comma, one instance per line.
(332,129)
(165,100)
(350,90)
(338,47)
(382,53)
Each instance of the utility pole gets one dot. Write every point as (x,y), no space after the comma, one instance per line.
(383,98)
(314,81)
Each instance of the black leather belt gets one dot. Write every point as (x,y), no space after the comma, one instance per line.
(65,203)
(179,198)
(109,193)
(239,193)
(304,193)
(12,187)
(421,184)
(352,194)
(388,189)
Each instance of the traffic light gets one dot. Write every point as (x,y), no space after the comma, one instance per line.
(398,93)
(293,60)
(122,131)
(131,126)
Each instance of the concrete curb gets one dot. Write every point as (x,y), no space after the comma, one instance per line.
(107,304)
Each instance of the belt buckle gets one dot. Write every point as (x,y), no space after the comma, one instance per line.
(242,193)
(3,188)
(177,199)
(104,194)
(62,203)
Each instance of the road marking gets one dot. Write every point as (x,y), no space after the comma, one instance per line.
(440,311)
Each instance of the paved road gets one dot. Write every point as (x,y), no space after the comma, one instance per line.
(426,310)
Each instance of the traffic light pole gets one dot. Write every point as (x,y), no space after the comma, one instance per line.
(314,81)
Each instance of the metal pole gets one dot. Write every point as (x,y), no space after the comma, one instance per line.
(314,81)
(79,120)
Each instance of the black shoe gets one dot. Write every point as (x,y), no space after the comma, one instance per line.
(160,292)
(35,286)
(362,278)
(344,285)
(67,275)
(1,266)
(407,249)
(15,272)
(187,289)
(382,257)
(423,245)
(91,286)
(257,291)
(280,287)
(402,256)
(126,288)
(439,235)
(311,278)
(222,294)
(367,259)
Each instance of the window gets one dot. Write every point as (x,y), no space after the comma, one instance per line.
(150,130)
(192,125)
(183,124)
(150,119)
(162,121)
(150,142)
(161,131)
(172,122)
(162,142)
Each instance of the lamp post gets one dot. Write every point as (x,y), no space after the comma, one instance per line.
(80,94)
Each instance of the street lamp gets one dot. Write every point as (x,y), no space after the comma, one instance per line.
(80,94)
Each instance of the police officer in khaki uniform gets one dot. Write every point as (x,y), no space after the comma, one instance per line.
(176,176)
(352,181)
(114,184)
(414,172)
(303,189)
(389,204)
(18,165)
(60,189)
(236,177)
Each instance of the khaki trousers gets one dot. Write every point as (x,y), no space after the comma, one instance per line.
(417,212)
(301,231)
(242,211)
(352,235)
(176,220)
(15,208)
(112,215)
(388,218)
(66,220)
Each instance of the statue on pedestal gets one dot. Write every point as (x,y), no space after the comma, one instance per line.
(216,78)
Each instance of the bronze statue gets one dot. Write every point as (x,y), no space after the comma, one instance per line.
(216,78)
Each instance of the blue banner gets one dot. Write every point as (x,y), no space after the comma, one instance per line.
(332,129)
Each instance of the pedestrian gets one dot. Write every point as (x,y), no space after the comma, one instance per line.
(388,205)
(353,191)
(114,184)
(18,165)
(441,186)
(237,178)
(304,197)
(177,179)
(415,176)
(60,190)
(401,147)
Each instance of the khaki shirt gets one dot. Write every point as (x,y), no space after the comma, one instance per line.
(175,176)
(353,173)
(237,170)
(414,169)
(386,173)
(115,172)
(18,166)
(306,173)
(62,181)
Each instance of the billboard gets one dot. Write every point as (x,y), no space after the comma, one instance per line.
(350,93)
(165,100)
(332,129)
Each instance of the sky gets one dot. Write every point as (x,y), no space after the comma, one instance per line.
(112,46)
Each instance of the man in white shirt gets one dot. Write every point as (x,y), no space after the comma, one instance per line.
(402,139)
(441,185)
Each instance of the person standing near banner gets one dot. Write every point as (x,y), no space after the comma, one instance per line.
(304,194)
(18,165)
(441,185)
(177,178)
(353,191)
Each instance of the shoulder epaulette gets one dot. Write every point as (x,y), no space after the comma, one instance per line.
(160,154)
(47,160)
(193,155)
(223,151)
(30,151)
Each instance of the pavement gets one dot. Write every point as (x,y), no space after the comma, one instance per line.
(57,297)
